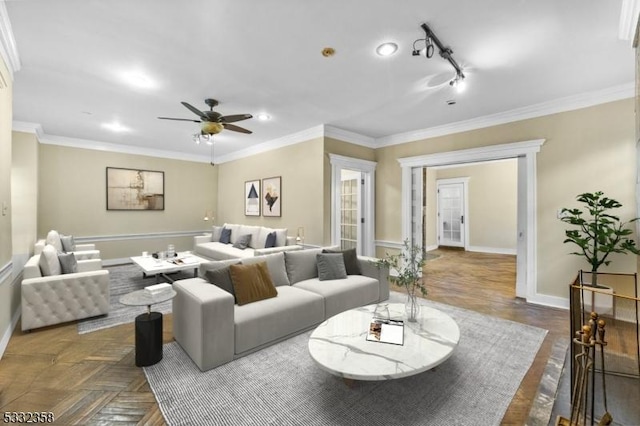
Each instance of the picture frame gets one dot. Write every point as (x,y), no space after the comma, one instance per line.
(134,189)
(272,197)
(252,198)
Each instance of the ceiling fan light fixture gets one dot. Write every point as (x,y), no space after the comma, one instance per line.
(211,128)
(387,49)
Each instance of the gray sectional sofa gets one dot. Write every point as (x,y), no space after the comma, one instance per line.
(214,330)
(210,247)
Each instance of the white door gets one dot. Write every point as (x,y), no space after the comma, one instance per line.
(351,216)
(451,212)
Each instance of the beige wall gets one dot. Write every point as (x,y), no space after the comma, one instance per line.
(72,199)
(301,169)
(493,203)
(24,194)
(586,150)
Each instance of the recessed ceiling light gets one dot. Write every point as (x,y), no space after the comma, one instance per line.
(115,127)
(263,116)
(387,49)
(138,79)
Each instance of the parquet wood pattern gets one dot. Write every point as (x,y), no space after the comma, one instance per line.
(91,379)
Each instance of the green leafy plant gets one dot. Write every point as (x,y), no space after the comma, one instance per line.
(405,268)
(599,233)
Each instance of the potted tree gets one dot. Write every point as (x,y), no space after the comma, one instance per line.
(599,233)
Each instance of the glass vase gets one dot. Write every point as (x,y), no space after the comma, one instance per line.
(412,307)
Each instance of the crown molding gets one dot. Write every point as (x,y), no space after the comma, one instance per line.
(292,139)
(43,138)
(569,103)
(8,48)
(348,136)
(628,20)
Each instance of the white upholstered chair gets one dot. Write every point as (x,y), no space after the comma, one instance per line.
(54,299)
(81,251)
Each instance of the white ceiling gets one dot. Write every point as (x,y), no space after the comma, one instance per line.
(259,56)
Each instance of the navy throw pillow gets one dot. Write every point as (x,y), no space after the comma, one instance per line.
(271,240)
(225,236)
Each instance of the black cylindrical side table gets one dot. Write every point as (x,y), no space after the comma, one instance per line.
(148,339)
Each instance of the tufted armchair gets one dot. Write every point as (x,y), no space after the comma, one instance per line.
(60,298)
(81,251)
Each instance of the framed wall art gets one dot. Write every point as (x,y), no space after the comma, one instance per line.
(132,189)
(272,197)
(252,198)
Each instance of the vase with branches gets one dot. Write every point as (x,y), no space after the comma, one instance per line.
(599,232)
(406,271)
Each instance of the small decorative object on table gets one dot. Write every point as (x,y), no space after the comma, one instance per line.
(406,271)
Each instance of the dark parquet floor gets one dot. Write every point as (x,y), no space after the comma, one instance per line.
(91,379)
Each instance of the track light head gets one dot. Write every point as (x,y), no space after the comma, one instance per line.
(428,52)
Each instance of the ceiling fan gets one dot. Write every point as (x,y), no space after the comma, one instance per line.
(213,122)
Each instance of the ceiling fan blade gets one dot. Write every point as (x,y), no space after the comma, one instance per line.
(196,111)
(236,128)
(234,118)
(179,119)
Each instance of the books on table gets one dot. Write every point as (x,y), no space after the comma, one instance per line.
(386,331)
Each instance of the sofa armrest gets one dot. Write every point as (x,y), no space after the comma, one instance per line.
(38,246)
(62,298)
(270,250)
(290,241)
(369,269)
(85,247)
(199,239)
(89,265)
(203,322)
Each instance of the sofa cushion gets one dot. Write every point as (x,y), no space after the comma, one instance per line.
(68,243)
(271,240)
(275,264)
(254,231)
(68,263)
(235,231)
(351,262)
(252,283)
(342,295)
(216,231)
(243,242)
(213,265)
(331,266)
(301,265)
(49,263)
(225,235)
(219,275)
(53,238)
(220,251)
(268,320)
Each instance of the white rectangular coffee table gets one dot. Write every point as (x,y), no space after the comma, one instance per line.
(162,267)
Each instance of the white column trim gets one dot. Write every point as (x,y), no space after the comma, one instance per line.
(5,272)
(8,47)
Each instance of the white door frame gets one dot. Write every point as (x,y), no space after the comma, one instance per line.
(368,169)
(465,193)
(526,286)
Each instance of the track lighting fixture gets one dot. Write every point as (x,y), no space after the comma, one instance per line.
(445,52)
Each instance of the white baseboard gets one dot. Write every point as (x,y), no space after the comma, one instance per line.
(6,336)
(389,244)
(433,247)
(492,250)
(550,301)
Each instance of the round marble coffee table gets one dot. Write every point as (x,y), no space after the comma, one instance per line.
(339,344)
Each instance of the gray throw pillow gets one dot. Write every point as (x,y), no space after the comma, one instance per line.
(242,242)
(331,266)
(68,262)
(220,277)
(301,265)
(68,244)
(351,262)
(271,240)
(225,236)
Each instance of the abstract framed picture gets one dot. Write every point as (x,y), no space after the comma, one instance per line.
(252,198)
(272,197)
(132,189)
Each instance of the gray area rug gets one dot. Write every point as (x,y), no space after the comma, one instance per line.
(124,279)
(281,385)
